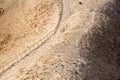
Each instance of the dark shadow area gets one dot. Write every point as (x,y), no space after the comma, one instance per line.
(1,11)
(103,45)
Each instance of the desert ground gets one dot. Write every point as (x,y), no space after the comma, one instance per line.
(59,39)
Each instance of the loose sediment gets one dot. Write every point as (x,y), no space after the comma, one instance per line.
(84,45)
(31,25)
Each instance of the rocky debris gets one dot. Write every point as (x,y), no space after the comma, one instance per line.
(84,46)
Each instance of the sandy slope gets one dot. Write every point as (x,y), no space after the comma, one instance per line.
(82,40)
(24,27)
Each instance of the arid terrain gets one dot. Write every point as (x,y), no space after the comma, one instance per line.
(59,39)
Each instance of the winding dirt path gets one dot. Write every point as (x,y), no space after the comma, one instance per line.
(81,40)
(15,56)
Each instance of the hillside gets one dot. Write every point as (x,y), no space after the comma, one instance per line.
(59,40)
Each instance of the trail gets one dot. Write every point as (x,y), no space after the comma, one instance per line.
(44,41)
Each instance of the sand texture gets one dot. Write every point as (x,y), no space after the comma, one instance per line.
(59,39)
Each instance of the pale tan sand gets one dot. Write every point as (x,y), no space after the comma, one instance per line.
(65,40)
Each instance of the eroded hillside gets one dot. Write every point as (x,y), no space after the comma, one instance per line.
(59,39)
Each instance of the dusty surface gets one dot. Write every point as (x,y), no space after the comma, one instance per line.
(59,40)
(24,27)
